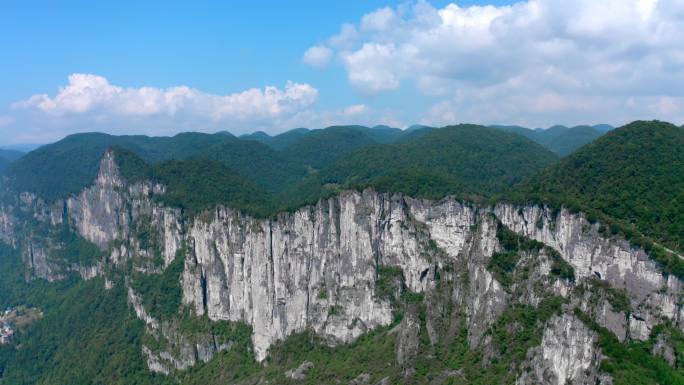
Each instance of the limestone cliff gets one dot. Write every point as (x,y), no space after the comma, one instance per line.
(317,269)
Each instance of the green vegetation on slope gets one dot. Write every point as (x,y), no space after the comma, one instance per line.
(319,148)
(4,163)
(503,263)
(375,353)
(279,141)
(10,155)
(465,160)
(470,161)
(565,140)
(560,140)
(161,293)
(265,166)
(74,249)
(60,168)
(66,167)
(7,157)
(198,184)
(634,174)
(632,362)
(88,335)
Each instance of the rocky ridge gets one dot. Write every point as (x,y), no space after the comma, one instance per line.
(318,269)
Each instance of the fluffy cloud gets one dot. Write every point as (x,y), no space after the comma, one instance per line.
(92,103)
(92,94)
(356,109)
(318,56)
(534,62)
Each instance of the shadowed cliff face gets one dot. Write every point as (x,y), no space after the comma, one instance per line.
(319,269)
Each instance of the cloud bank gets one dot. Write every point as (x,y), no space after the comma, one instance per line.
(534,62)
(91,103)
(92,94)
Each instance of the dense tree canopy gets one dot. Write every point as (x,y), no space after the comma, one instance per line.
(634,174)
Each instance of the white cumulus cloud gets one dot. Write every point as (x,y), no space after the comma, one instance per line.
(318,56)
(88,93)
(355,109)
(534,62)
(91,103)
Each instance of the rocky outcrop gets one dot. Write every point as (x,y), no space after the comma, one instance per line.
(112,210)
(121,219)
(567,355)
(299,373)
(7,226)
(653,295)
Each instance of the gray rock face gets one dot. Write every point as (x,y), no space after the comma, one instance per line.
(112,210)
(663,349)
(361,379)
(299,373)
(408,333)
(316,269)
(178,352)
(6,226)
(567,355)
(110,213)
(653,295)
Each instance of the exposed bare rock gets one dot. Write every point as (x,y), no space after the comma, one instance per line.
(362,379)
(407,333)
(299,373)
(567,355)
(663,349)
(654,295)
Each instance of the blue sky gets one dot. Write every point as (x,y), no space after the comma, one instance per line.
(407,62)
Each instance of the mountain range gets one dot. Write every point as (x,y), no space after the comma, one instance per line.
(354,255)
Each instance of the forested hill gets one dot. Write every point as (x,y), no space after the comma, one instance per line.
(7,157)
(10,155)
(3,164)
(634,174)
(279,141)
(465,160)
(66,166)
(561,140)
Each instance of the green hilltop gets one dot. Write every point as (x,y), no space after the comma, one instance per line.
(633,174)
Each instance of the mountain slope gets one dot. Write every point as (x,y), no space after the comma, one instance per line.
(634,174)
(267,167)
(459,160)
(197,184)
(4,163)
(319,148)
(280,141)
(85,335)
(10,155)
(561,140)
(7,157)
(66,166)
(564,140)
